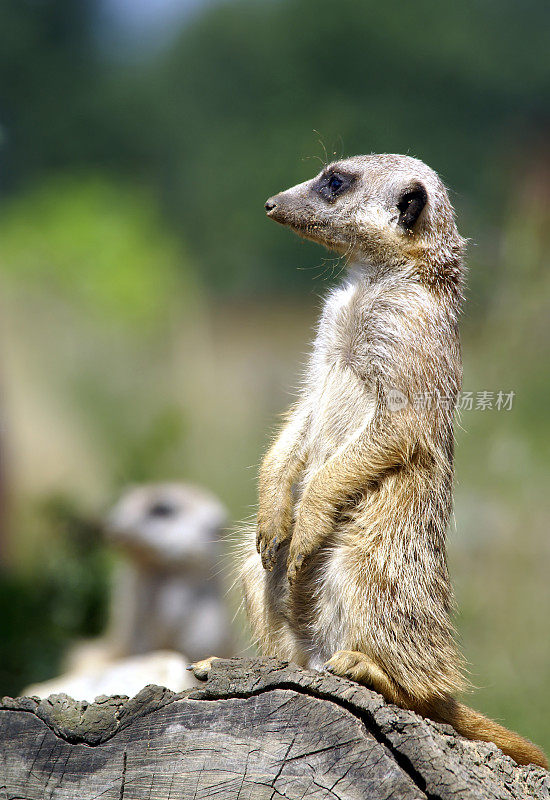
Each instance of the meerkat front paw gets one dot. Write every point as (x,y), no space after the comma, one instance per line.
(201,669)
(294,565)
(309,534)
(270,535)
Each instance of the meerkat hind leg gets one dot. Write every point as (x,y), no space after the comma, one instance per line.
(360,668)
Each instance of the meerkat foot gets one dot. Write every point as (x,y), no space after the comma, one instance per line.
(201,669)
(360,668)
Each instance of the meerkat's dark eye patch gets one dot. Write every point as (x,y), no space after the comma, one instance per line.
(410,205)
(332,184)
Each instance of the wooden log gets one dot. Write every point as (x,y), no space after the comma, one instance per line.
(257,730)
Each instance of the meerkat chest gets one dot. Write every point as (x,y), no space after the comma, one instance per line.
(342,397)
(342,343)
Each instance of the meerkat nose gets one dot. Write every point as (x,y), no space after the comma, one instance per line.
(270,204)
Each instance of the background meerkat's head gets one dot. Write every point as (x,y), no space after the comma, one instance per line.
(167,524)
(387,210)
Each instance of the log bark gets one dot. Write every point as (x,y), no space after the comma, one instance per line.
(257,730)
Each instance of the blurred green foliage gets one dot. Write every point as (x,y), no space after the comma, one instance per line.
(103,284)
(44,611)
(97,243)
(47,84)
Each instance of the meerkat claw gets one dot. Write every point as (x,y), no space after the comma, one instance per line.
(294,566)
(201,669)
(269,553)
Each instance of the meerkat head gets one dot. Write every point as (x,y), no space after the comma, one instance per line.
(167,524)
(383,210)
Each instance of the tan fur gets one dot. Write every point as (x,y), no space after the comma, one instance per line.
(356,492)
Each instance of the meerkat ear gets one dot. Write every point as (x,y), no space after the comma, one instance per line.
(410,205)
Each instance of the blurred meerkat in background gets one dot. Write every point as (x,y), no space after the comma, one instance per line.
(168,593)
(167,605)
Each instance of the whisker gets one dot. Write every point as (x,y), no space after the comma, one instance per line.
(321,142)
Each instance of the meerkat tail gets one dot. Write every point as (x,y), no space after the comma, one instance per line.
(473,725)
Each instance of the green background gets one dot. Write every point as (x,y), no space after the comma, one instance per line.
(153,323)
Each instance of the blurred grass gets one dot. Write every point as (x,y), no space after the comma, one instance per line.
(500,553)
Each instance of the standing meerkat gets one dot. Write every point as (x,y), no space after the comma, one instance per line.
(347,566)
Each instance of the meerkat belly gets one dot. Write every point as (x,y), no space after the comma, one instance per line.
(342,408)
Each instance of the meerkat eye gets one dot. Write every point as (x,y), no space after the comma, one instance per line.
(410,206)
(332,184)
(162,508)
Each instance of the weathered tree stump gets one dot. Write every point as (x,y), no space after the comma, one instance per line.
(258,730)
